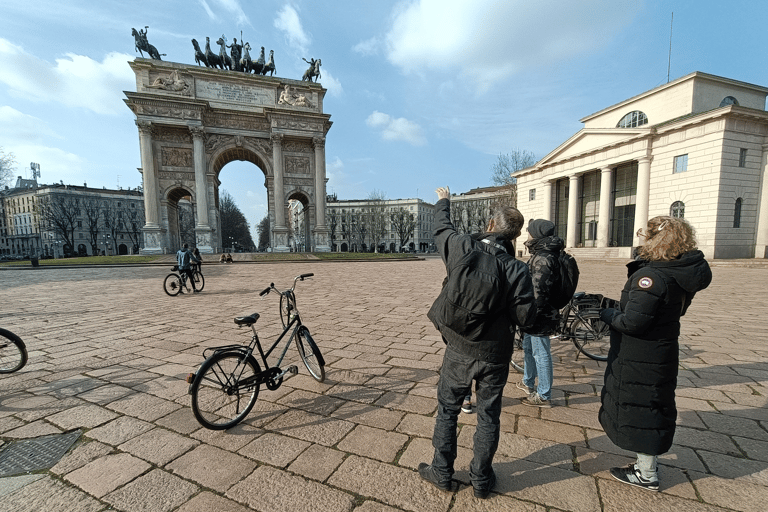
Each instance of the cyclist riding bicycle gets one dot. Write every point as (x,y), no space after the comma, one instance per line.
(184,258)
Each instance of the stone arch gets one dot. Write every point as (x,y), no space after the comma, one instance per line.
(188,134)
(178,214)
(302,219)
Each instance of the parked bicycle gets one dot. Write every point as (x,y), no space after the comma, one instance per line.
(226,385)
(176,281)
(13,352)
(580,322)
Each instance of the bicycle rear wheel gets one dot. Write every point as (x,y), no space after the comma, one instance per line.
(310,354)
(199,280)
(13,352)
(518,356)
(591,335)
(172,284)
(218,400)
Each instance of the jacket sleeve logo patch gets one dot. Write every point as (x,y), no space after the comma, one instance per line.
(645,282)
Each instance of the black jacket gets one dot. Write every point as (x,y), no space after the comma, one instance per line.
(544,267)
(495,342)
(638,411)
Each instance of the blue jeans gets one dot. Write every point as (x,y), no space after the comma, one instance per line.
(455,382)
(538,362)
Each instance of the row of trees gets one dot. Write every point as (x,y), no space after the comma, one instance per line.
(235,231)
(7,167)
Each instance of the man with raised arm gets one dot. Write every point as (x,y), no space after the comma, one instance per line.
(486,295)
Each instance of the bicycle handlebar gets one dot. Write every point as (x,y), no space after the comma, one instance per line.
(265,291)
(297,278)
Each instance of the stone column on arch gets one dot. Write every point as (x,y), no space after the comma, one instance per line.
(604,214)
(643,195)
(280,230)
(321,230)
(571,237)
(203,227)
(546,212)
(151,231)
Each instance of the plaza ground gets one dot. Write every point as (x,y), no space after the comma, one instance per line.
(109,352)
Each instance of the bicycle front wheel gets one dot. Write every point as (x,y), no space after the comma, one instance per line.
(13,352)
(591,335)
(219,401)
(310,354)
(172,284)
(199,280)
(287,306)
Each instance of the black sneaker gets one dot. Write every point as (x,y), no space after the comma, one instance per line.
(631,475)
(429,474)
(483,493)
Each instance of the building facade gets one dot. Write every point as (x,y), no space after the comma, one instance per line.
(695,147)
(67,220)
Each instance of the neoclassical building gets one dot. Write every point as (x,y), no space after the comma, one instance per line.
(695,147)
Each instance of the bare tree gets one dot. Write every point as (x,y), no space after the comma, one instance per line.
(111,227)
(7,166)
(506,166)
(377,220)
(59,213)
(333,225)
(92,210)
(134,220)
(234,226)
(403,223)
(459,217)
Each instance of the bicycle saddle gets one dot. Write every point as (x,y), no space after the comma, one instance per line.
(247,320)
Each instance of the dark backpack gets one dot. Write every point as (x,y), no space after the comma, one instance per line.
(474,292)
(567,273)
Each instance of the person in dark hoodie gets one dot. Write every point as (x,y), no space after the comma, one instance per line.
(638,411)
(483,274)
(544,247)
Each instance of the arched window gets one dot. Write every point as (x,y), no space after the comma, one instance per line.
(737,213)
(729,100)
(677,210)
(632,120)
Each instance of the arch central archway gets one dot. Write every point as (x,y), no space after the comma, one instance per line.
(193,121)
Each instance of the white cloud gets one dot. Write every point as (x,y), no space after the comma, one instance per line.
(487,41)
(329,82)
(74,81)
(233,9)
(368,47)
(208,10)
(396,128)
(288,21)
(17,128)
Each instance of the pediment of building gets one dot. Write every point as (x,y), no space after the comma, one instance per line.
(591,140)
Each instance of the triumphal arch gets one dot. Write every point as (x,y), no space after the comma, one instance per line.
(193,120)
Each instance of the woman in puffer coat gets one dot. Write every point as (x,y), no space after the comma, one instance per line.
(638,410)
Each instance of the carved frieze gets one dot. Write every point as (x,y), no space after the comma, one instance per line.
(236,122)
(296,165)
(164,111)
(176,157)
(290,124)
(297,146)
(304,182)
(215,141)
(173,82)
(176,176)
(175,135)
(263,145)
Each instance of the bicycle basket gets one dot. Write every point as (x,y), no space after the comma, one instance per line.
(589,300)
(610,303)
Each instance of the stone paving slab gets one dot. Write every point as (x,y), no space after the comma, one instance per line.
(113,365)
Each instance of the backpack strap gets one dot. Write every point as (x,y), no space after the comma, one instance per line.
(494,244)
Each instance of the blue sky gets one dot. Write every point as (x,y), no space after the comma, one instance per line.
(422,93)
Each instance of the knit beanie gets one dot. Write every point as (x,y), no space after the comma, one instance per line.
(539,228)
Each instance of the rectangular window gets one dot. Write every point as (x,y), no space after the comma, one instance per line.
(743,157)
(532,194)
(681,163)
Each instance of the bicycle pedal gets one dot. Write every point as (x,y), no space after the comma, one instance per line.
(190,378)
(293,369)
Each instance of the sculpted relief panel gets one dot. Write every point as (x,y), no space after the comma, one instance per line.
(297,165)
(236,122)
(178,136)
(176,157)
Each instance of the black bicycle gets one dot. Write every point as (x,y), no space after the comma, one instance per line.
(176,281)
(13,352)
(580,322)
(226,385)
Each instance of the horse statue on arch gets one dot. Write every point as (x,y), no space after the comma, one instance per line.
(226,61)
(142,45)
(211,58)
(313,71)
(199,55)
(258,65)
(270,65)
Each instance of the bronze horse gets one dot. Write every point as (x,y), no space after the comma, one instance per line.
(226,61)
(211,58)
(313,71)
(199,55)
(140,39)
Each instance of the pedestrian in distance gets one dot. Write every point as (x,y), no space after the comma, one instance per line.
(184,259)
(486,294)
(544,247)
(638,411)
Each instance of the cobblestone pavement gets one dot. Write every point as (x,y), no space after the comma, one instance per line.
(109,352)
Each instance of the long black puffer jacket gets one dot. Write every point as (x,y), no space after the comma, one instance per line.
(638,411)
(495,342)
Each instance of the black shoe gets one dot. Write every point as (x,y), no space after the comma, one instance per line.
(196,290)
(483,493)
(631,475)
(428,473)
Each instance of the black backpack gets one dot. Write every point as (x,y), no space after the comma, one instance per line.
(474,291)
(567,280)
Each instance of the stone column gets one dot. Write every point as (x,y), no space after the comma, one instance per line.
(203,227)
(280,231)
(151,230)
(321,230)
(546,212)
(643,195)
(761,241)
(604,215)
(571,236)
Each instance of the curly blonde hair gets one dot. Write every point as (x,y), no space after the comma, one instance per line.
(666,239)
